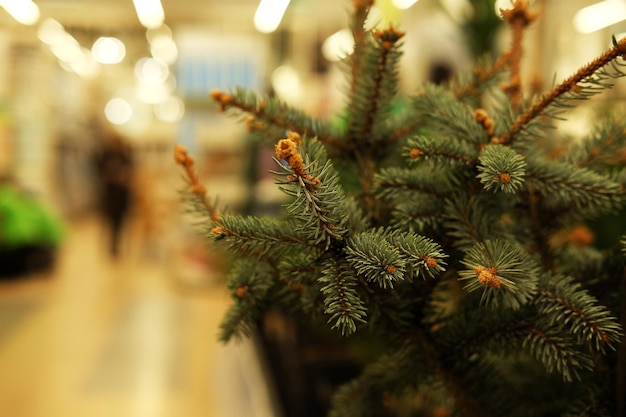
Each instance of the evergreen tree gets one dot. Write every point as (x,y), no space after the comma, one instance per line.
(465,246)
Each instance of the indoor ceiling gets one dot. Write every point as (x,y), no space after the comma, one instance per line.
(116,15)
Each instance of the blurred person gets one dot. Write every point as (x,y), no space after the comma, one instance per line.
(114,166)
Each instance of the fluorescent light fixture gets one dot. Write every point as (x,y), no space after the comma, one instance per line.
(85,65)
(150,13)
(66,48)
(25,12)
(163,30)
(600,15)
(108,50)
(269,14)
(50,31)
(403,4)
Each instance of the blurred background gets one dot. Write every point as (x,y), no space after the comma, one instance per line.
(109,301)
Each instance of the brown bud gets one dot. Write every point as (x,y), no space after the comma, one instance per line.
(242,291)
(504,177)
(430,262)
(480,115)
(488,277)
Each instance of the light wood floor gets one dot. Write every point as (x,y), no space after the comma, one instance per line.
(126,338)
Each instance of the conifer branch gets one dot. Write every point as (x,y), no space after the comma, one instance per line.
(397,184)
(502,334)
(501,169)
(314,186)
(605,146)
(417,213)
(343,303)
(571,84)
(468,331)
(567,303)
(300,269)
(581,188)
(195,187)
(374,88)
(467,221)
(422,255)
(248,292)
(407,125)
(556,352)
(357,26)
(506,275)
(591,405)
(272,112)
(442,150)
(442,111)
(254,236)
(389,311)
(482,75)
(366,178)
(365,395)
(375,259)
(485,121)
(463,400)
(620,378)
(236,323)
(349,252)
(518,18)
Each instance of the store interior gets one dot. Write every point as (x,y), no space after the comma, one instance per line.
(85,333)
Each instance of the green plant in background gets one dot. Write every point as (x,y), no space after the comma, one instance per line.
(481,27)
(25,221)
(463,247)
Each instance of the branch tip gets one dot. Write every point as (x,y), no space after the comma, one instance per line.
(520,13)
(488,277)
(223,98)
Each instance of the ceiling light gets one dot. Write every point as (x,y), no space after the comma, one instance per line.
(403,4)
(85,65)
(170,110)
(151,70)
(600,15)
(163,30)
(118,111)
(269,14)
(500,5)
(66,48)
(50,31)
(108,50)
(286,83)
(150,13)
(25,12)
(163,47)
(153,93)
(338,45)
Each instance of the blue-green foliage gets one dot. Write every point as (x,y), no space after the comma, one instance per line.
(447,238)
